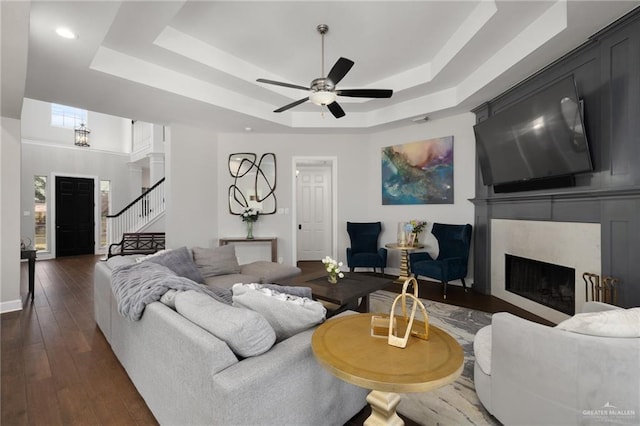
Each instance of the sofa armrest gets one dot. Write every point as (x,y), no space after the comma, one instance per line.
(298,387)
(598,307)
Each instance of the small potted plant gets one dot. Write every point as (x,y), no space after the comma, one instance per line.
(333,269)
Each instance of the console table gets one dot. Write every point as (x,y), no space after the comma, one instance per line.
(272,240)
(30,255)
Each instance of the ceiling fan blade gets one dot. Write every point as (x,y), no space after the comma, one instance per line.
(292,104)
(339,70)
(279,83)
(365,93)
(336,110)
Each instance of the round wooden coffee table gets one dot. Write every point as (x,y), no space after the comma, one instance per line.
(345,347)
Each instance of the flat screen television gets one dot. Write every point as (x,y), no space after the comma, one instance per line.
(540,137)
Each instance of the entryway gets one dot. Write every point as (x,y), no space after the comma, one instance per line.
(75,216)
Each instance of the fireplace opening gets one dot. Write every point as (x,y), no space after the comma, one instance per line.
(545,283)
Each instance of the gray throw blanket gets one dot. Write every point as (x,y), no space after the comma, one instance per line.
(138,284)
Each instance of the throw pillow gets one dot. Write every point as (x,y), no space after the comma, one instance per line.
(149,256)
(180,262)
(216,261)
(292,290)
(613,323)
(246,332)
(287,314)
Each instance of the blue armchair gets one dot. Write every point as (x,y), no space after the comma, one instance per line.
(451,264)
(364,251)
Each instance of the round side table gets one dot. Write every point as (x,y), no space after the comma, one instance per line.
(405,272)
(346,348)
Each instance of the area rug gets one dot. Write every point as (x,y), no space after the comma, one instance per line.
(456,403)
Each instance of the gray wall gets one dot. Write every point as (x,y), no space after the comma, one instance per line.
(607,75)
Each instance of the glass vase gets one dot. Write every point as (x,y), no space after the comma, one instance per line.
(249,230)
(333,278)
(402,234)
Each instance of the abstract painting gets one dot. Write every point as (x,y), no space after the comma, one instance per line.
(418,172)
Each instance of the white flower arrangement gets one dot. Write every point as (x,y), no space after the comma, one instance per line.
(333,267)
(250,214)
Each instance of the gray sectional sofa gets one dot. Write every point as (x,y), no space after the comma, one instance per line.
(188,376)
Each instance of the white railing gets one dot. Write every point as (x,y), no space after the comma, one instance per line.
(139,213)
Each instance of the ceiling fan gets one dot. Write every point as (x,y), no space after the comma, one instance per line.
(323,90)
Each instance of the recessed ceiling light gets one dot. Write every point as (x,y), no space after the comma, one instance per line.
(248,129)
(66,33)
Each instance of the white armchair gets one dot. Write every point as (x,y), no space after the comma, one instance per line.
(527,373)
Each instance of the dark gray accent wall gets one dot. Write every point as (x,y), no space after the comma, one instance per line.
(606,70)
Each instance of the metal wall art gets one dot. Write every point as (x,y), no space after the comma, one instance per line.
(418,172)
(254,183)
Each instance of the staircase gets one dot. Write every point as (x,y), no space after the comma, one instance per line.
(139,214)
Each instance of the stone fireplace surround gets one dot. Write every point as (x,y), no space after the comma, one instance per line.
(571,244)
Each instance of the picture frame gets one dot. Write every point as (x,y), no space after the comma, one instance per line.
(411,239)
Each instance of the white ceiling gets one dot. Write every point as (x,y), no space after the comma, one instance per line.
(196,62)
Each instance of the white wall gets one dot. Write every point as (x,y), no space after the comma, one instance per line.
(464,166)
(192,187)
(10,216)
(108,133)
(359,180)
(352,176)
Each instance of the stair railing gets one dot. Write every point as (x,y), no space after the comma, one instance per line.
(137,214)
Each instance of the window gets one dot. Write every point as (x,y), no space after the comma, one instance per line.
(105,207)
(68,117)
(40,217)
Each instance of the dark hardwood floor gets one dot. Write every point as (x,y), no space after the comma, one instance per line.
(58,369)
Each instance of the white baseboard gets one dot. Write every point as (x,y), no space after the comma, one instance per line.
(10,306)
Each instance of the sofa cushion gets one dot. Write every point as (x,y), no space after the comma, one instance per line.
(482,349)
(269,272)
(287,314)
(227,281)
(612,323)
(216,261)
(246,332)
(179,261)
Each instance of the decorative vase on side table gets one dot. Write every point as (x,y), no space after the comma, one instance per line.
(250,215)
(249,230)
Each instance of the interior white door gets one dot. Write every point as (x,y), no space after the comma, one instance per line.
(313,187)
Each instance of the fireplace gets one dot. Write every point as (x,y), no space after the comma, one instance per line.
(545,283)
(574,245)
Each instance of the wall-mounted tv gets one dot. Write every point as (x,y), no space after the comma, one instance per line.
(542,136)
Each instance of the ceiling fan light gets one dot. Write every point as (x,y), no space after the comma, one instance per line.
(322,97)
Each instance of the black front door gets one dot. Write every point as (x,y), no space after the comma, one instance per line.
(75,224)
